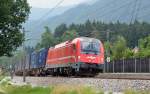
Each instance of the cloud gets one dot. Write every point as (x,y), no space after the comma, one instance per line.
(52,3)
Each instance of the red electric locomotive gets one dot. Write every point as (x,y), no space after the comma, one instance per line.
(77,57)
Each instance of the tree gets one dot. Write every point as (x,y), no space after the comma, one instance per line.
(38,46)
(128,53)
(47,39)
(29,49)
(119,48)
(60,30)
(108,51)
(144,47)
(69,35)
(12,14)
(131,32)
(7,61)
(87,29)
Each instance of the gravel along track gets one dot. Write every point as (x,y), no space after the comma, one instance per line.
(114,85)
(131,76)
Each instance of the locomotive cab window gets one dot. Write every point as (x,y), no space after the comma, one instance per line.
(90,47)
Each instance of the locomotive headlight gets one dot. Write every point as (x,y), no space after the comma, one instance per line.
(79,57)
(102,59)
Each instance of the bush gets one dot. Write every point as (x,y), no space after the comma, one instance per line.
(61,89)
(27,89)
(4,81)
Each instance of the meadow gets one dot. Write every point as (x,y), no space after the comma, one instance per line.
(6,87)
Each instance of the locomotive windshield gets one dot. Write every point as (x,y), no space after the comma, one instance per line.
(90,47)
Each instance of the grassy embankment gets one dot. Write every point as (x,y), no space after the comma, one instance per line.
(8,88)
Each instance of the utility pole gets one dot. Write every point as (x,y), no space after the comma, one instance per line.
(24,58)
(108,50)
(11,68)
(108,37)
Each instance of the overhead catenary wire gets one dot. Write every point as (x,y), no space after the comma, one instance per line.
(116,9)
(52,9)
(102,8)
(42,18)
(134,11)
(138,10)
(143,9)
(112,11)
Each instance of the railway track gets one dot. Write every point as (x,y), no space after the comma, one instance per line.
(130,76)
(108,81)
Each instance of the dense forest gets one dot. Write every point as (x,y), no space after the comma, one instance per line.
(132,32)
(119,39)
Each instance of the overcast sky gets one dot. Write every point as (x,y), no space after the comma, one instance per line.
(52,3)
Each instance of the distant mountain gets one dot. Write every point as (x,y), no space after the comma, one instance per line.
(37,13)
(102,10)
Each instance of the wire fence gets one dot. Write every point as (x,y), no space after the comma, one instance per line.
(134,65)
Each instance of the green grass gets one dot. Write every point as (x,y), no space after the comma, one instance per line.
(27,89)
(67,89)
(1,77)
(7,88)
(55,90)
(130,91)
